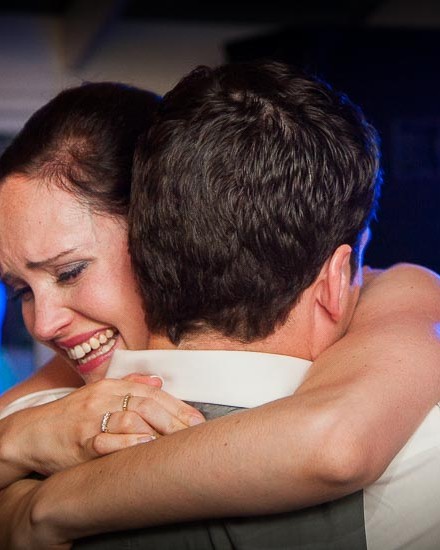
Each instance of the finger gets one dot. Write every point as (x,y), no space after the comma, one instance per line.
(164,412)
(105,443)
(150,380)
(186,414)
(161,413)
(129,422)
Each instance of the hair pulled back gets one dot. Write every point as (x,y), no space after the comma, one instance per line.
(83,140)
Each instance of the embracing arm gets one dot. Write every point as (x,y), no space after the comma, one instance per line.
(57,435)
(56,373)
(362,400)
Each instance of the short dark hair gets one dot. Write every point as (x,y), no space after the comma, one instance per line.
(250,178)
(83,140)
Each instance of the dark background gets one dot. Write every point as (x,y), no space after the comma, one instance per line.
(393,74)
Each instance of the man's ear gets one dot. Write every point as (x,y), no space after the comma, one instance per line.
(334,290)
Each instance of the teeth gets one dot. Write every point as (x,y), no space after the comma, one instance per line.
(94,343)
(87,347)
(79,352)
(104,349)
(97,344)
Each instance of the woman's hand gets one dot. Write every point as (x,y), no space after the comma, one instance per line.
(52,437)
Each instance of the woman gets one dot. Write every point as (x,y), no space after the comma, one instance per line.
(48,158)
(47,320)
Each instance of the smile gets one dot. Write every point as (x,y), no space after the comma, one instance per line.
(94,347)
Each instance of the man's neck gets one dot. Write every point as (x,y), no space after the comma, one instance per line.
(289,339)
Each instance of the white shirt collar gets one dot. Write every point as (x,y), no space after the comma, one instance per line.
(235,378)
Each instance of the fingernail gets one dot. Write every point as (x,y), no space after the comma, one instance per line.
(194,420)
(146,438)
(162,381)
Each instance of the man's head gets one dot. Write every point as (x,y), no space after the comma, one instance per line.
(249,181)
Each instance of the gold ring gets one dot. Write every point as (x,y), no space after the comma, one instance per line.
(125,401)
(104,422)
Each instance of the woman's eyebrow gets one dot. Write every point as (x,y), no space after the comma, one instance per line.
(8,278)
(49,261)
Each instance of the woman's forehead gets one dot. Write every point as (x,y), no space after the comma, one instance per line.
(27,202)
(44,220)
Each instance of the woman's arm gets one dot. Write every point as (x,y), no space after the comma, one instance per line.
(55,374)
(60,434)
(363,399)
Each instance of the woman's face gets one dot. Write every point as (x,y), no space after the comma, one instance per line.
(71,270)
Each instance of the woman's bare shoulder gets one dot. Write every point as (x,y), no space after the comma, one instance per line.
(55,374)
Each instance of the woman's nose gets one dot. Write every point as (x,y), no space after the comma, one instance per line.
(49,317)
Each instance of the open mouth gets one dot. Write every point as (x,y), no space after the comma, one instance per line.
(93,347)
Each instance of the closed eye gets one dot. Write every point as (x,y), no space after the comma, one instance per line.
(71,274)
(24,293)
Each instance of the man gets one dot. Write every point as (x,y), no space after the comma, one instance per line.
(249,236)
